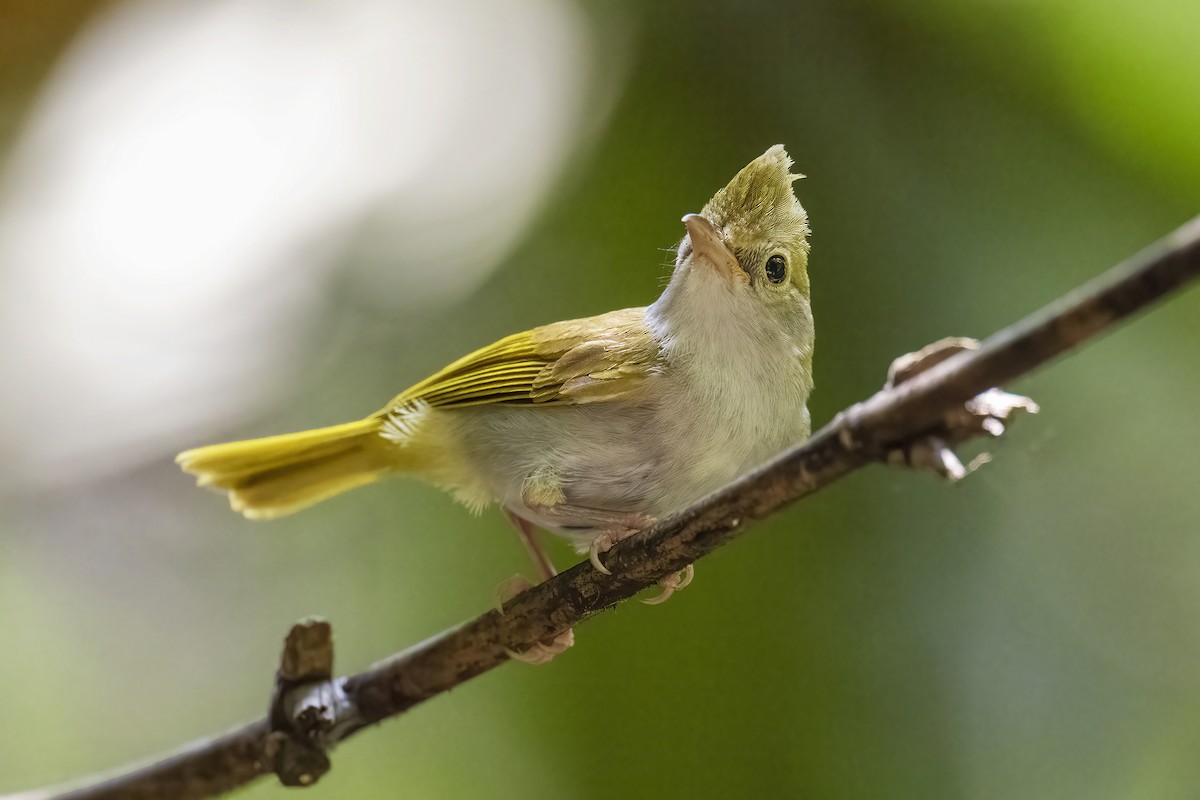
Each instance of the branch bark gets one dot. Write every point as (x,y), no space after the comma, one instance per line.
(310,712)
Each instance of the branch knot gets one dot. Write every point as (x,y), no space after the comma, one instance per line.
(306,705)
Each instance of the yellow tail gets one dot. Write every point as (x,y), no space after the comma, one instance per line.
(277,475)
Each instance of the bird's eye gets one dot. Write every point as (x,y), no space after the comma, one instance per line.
(776,268)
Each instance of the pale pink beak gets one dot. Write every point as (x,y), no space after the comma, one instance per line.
(708,245)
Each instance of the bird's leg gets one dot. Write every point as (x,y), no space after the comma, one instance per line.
(541,652)
(616,526)
(527,533)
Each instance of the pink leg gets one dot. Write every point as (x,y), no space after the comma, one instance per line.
(528,535)
(541,652)
(617,526)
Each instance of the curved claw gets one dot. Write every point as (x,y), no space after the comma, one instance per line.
(689,572)
(671,584)
(537,655)
(661,598)
(594,556)
(509,588)
(621,526)
(544,652)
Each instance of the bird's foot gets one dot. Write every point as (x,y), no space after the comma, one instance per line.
(623,528)
(544,652)
(671,584)
(618,529)
(541,652)
(986,413)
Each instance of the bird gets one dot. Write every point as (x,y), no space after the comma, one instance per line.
(590,428)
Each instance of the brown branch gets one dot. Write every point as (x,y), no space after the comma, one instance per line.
(307,718)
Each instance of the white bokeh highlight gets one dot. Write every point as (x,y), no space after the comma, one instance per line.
(177,203)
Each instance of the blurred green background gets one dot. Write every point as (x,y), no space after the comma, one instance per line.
(1031,632)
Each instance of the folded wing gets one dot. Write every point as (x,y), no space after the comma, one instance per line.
(578,361)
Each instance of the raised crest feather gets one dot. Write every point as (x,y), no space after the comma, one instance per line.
(759,200)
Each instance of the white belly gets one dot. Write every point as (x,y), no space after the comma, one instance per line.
(649,460)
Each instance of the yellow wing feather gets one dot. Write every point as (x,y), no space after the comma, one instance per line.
(578,361)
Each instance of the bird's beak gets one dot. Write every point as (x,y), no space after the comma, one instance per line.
(708,245)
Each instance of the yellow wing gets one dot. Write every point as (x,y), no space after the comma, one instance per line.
(579,361)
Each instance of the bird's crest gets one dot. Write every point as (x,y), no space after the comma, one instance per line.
(758,203)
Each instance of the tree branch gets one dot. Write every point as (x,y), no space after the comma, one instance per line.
(310,712)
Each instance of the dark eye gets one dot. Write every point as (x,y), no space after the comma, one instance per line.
(776,268)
